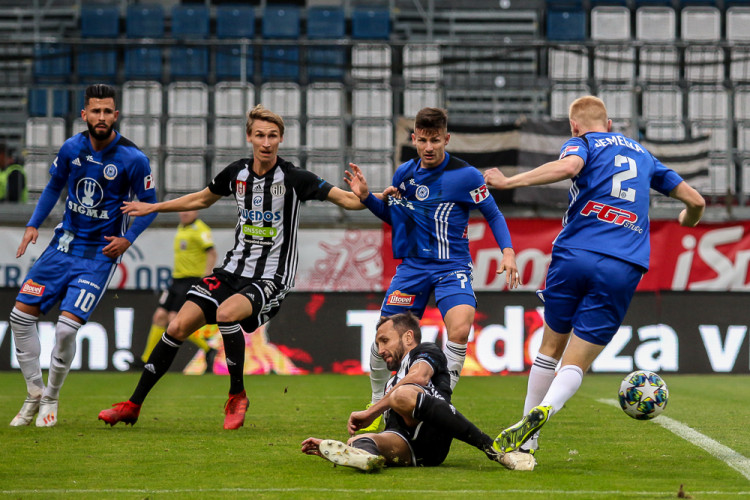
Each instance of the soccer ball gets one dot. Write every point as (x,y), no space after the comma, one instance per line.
(643,395)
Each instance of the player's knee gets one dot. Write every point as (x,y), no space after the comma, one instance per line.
(177,329)
(225,314)
(459,333)
(403,400)
(160,317)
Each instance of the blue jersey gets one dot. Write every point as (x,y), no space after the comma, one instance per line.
(431,218)
(609,198)
(98,182)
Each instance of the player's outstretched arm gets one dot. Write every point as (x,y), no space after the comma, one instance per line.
(356,181)
(29,236)
(193,201)
(694,204)
(554,171)
(344,199)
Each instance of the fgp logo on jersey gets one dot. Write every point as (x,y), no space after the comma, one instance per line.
(88,195)
(400,299)
(479,194)
(32,288)
(608,213)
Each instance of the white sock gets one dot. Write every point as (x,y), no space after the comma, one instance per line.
(566,383)
(62,355)
(379,374)
(455,353)
(541,375)
(28,350)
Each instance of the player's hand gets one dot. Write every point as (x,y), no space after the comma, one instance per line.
(116,247)
(495,179)
(29,236)
(311,446)
(137,208)
(359,420)
(356,181)
(508,266)
(392,191)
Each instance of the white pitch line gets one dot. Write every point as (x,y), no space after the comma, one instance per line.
(727,455)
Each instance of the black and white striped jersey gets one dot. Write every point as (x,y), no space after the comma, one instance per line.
(265,239)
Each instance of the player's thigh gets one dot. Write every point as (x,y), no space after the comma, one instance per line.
(602,310)
(266,297)
(209,292)
(409,290)
(430,444)
(47,280)
(88,282)
(566,286)
(454,288)
(189,318)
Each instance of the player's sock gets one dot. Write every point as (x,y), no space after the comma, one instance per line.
(62,355)
(566,383)
(234,348)
(455,354)
(541,375)
(366,444)
(154,336)
(197,339)
(157,365)
(379,374)
(28,350)
(444,416)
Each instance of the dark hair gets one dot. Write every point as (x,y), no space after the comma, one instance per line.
(99,91)
(431,119)
(403,322)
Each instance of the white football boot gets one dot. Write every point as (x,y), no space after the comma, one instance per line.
(348,456)
(26,413)
(47,413)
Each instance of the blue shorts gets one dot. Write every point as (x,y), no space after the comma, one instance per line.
(411,287)
(77,282)
(588,293)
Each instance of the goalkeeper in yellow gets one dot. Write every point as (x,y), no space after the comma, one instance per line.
(194,257)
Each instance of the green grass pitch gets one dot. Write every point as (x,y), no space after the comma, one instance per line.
(178,449)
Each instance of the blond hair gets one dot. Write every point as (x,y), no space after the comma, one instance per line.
(263,114)
(589,112)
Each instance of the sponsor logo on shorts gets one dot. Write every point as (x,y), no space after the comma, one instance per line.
(32,288)
(400,299)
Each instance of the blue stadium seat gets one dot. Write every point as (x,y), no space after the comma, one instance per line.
(280,63)
(96,63)
(52,62)
(38,102)
(326,22)
(371,23)
(99,21)
(143,63)
(144,21)
(190,21)
(652,3)
(188,62)
(229,63)
(235,21)
(281,21)
(566,25)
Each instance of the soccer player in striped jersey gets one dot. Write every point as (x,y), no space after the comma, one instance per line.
(99,169)
(597,259)
(247,289)
(428,206)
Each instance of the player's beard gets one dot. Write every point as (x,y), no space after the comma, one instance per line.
(396,358)
(99,136)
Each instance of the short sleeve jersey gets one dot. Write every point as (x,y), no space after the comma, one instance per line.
(268,207)
(98,182)
(609,198)
(430,220)
(190,245)
(426,352)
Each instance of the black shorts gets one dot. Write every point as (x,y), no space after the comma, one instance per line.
(173,297)
(265,295)
(429,445)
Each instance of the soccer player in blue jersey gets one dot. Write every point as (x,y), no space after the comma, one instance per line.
(433,196)
(597,259)
(99,170)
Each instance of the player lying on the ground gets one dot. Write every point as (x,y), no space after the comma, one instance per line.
(420,422)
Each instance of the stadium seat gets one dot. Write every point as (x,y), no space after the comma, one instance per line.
(662,103)
(281,21)
(189,22)
(229,134)
(371,23)
(183,173)
(141,98)
(707,103)
(422,63)
(570,62)
(742,102)
(144,21)
(378,170)
(562,95)
(703,63)
(37,166)
(330,169)
(187,99)
(40,98)
(292,139)
(282,98)
(326,23)
(417,97)
(610,22)
(326,62)
(232,99)
(737,21)
(235,21)
(372,101)
(325,135)
(718,132)
(620,102)
(144,131)
(566,24)
(665,130)
(325,100)
(372,135)
(657,63)
(45,133)
(143,63)
(187,133)
(100,21)
(52,62)
(96,64)
(371,61)
(280,62)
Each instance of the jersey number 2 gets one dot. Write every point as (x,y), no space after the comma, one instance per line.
(618,178)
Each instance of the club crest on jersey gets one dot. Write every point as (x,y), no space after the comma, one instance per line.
(110,171)
(241,188)
(400,299)
(89,193)
(479,194)
(278,190)
(569,149)
(32,288)
(422,193)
